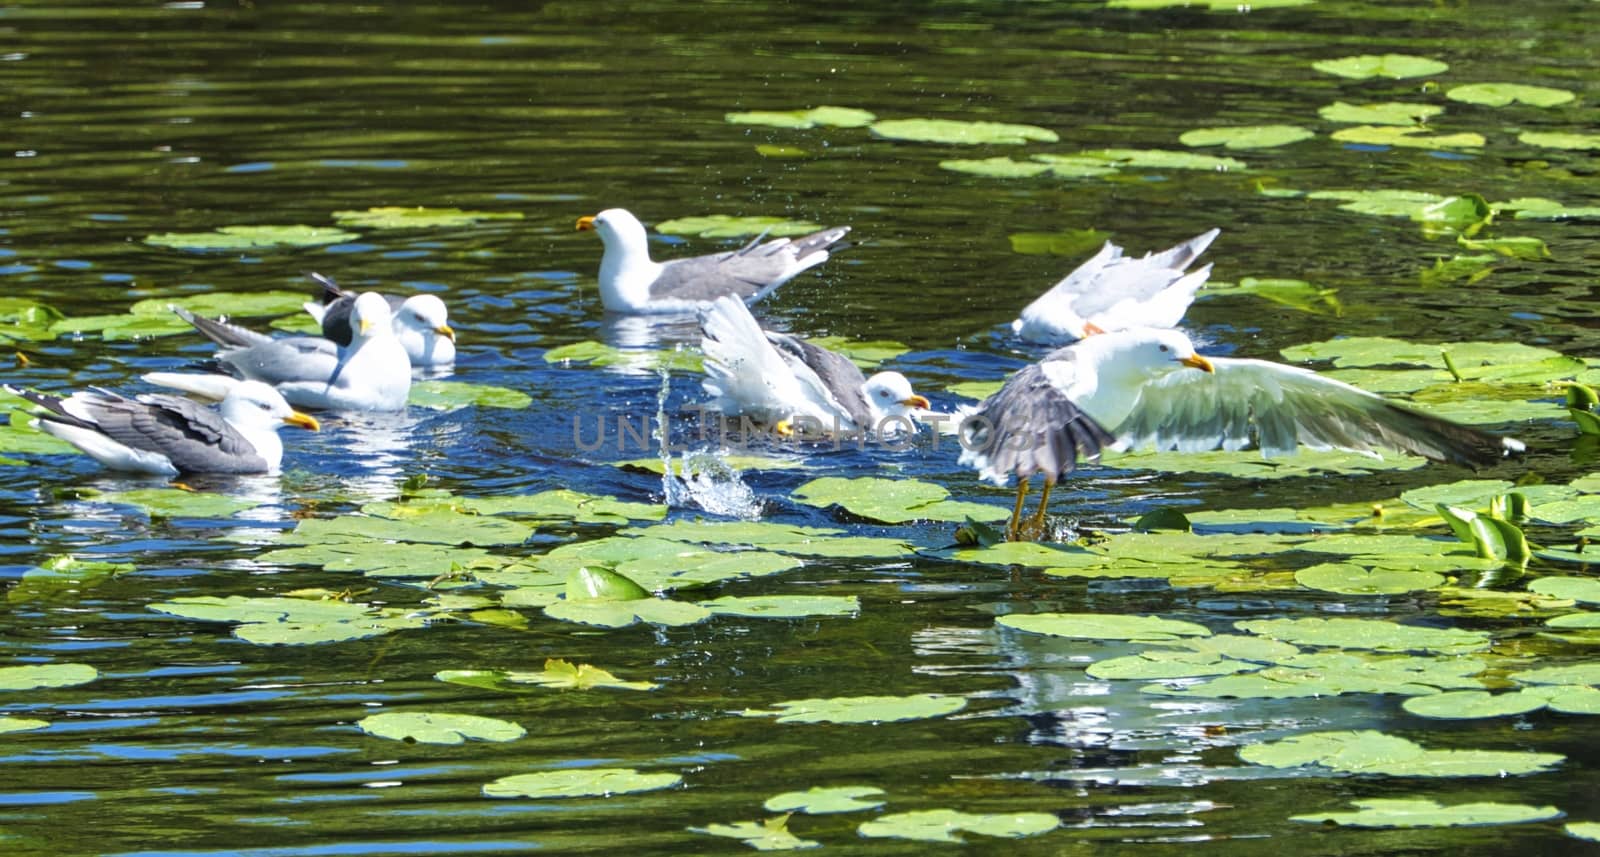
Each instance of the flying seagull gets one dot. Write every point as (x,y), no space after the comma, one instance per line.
(168,435)
(1146,388)
(372,373)
(781,380)
(1114,292)
(422,322)
(631,283)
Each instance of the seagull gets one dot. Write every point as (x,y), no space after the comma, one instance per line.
(1114,292)
(1146,388)
(782,380)
(372,373)
(420,321)
(169,435)
(631,283)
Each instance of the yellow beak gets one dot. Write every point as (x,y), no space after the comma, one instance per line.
(366,325)
(917,402)
(1195,361)
(305,421)
(784,428)
(446,331)
(586,223)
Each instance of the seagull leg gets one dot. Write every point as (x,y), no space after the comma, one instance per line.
(1036,524)
(1012,533)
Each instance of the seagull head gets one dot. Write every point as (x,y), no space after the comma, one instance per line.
(426,314)
(369,315)
(255,404)
(616,227)
(891,394)
(1156,351)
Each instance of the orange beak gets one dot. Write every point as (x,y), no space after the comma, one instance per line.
(1195,361)
(586,223)
(305,421)
(917,402)
(446,331)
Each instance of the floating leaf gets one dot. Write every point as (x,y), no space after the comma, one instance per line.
(620,614)
(835,117)
(382,559)
(1426,812)
(862,709)
(1468,705)
(893,501)
(725,226)
(1387,203)
(784,606)
(434,728)
(979,390)
(418,217)
(942,825)
(818,800)
(626,359)
(580,782)
(1069,242)
(23,319)
(1559,140)
(1375,634)
(1165,666)
(1081,166)
(565,675)
(961,133)
(864,353)
(1208,5)
(1585,674)
(1350,579)
(1296,294)
(63,576)
(1100,626)
(1501,94)
(34,676)
(1589,830)
(997,168)
(1162,159)
(1537,208)
(1370,752)
(21,724)
(233,238)
(565,503)
(426,524)
(1416,138)
(1585,589)
(178,503)
(154,317)
(292,621)
(1394,66)
(449,395)
(770,835)
(1247,136)
(1387,113)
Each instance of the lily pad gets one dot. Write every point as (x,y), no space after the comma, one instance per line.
(862,709)
(979,390)
(1538,208)
(1502,94)
(565,503)
(233,238)
(23,319)
(154,317)
(1589,830)
(32,676)
(620,614)
(1371,752)
(1247,136)
(1374,634)
(418,217)
(1559,140)
(942,825)
(818,800)
(63,576)
(21,724)
(1393,66)
(580,782)
(1101,626)
(1081,166)
(1350,579)
(997,168)
(1469,705)
(770,835)
(449,395)
(725,226)
(557,673)
(627,359)
(1162,159)
(784,606)
(1415,138)
(867,354)
(1069,242)
(1166,665)
(1584,674)
(1296,294)
(434,728)
(1426,812)
(834,117)
(179,503)
(293,621)
(1386,202)
(962,133)
(1585,589)
(893,501)
(1387,113)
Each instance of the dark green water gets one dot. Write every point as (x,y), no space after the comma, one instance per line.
(133,119)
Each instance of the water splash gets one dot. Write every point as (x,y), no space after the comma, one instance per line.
(699,479)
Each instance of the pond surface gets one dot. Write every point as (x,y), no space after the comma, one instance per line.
(131,120)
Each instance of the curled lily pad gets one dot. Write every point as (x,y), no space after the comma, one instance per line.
(1247,136)
(34,676)
(233,238)
(1394,66)
(1501,94)
(449,395)
(436,728)
(580,782)
(725,226)
(862,709)
(835,117)
(1099,626)
(942,825)
(419,217)
(770,835)
(1559,140)
(818,800)
(1388,113)
(960,132)
(1426,812)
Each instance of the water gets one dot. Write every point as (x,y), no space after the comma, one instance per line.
(132,119)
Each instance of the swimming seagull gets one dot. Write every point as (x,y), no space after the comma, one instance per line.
(372,373)
(1146,388)
(420,321)
(1111,291)
(631,283)
(782,380)
(168,435)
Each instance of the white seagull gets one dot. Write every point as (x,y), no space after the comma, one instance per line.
(1114,292)
(421,322)
(168,435)
(1146,388)
(631,283)
(372,373)
(793,385)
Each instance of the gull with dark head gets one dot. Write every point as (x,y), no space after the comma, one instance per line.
(169,435)
(421,322)
(1146,388)
(1111,291)
(630,282)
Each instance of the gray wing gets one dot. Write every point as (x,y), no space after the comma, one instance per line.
(749,272)
(1029,427)
(278,361)
(1121,278)
(838,374)
(194,438)
(221,332)
(1282,407)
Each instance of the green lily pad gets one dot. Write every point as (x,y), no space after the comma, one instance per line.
(607,613)
(580,782)
(1502,94)
(1081,166)
(293,621)
(418,217)
(21,724)
(233,238)
(693,464)
(425,524)
(996,168)
(1477,704)
(1585,589)
(1426,812)
(1387,113)
(862,709)
(1370,752)
(1100,626)
(1384,203)
(768,535)
(942,825)
(1251,464)
(784,606)
(154,317)
(1350,579)
(1318,674)
(26,320)
(34,676)
(1295,294)
(1375,634)
(957,132)
(558,674)
(725,226)
(818,800)
(1589,830)
(1247,136)
(179,503)
(424,727)
(1416,138)
(867,354)
(1393,66)
(1383,351)
(382,559)
(1465,492)
(893,501)
(770,835)
(979,390)
(1585,674)
(1166,665)
(1162,159)
(1559,140)
(833,117)
(565,503)
(63,577)
(1068,242)
(1538,208)
(449,395)
(628,359)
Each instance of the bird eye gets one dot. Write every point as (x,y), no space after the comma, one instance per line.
(264,406)
(1165,349)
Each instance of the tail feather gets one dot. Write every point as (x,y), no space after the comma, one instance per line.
(208,386)
(221,332)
